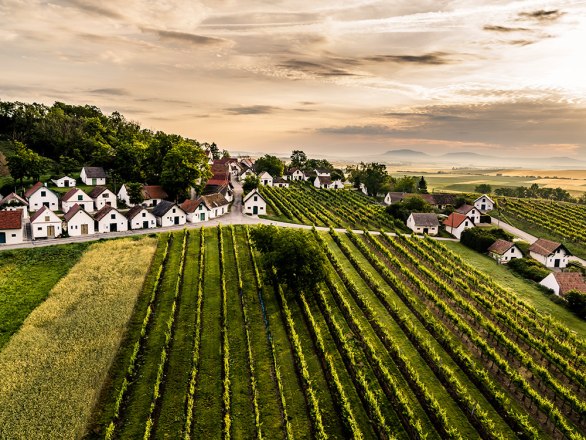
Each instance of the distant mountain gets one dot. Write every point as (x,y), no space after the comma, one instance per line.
(466,155)
(405,153)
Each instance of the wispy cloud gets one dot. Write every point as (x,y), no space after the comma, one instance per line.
(185,37)
(251,110)
(542,15)
(496,28)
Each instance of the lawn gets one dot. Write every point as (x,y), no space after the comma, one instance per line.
(26,277)
(525,290)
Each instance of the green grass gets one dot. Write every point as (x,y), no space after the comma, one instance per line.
(525,290)
(26,277)
(208,395)
(172,414)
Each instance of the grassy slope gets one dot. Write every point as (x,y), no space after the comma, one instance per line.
(525,290)
(26,277)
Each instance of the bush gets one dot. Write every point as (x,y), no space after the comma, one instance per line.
(528,268)
(480,239)
(577,302)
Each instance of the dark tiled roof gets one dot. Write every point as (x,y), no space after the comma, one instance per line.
(11,219)
(103,212)
(94,193)
(133,212)
(215,200)
(545,247)
(95,172)
(570,281)
(251,193)
(13,199)
(280,180)
(465,209)
(162,208)
(425,219)
(325,180)
(455,219)
(500,246)
(29,192)
(74,210)
(70,194)
(154,192)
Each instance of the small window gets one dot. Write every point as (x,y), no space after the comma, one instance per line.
(43,193)
(39,228)
(47,218)
(80,197)
(173,210)
(105,195)
(144,214)
(112,216)
(255,198)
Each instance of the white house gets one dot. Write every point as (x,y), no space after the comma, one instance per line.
(39,195)
(423,223)
(217,203)
(471,212)
(295,174)
(64,182)
(326,182)
(139,218)
(244,174)
(364,191)
(549,253)
(280,182)
(504,251)
(393,197)
(109,219)
(266,179)
(13,202)
(152,195)
(484,203)
(79,222)
(11,231)
(196,210)
(102,196)
(562,282)
(254,203)
(76,196)
(169,214)
(323,173)
(93,176)
(45,224)
(456,223)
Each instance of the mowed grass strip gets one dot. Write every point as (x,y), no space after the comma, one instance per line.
(26,277)
(242,412)
(207,412)
(268,392)
(172,413)
(53,369)
(136,410)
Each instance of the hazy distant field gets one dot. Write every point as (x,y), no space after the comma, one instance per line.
(573,181)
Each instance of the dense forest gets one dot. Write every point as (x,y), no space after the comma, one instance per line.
(62,138)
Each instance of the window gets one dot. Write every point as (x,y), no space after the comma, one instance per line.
(144,214)
(39,228)
(14,235)
(255,198)
(173,210)
(113,216)
(47,218)
(79,197)
(43,193)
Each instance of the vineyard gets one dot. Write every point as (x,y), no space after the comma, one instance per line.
(566,221)
(331,208)
(404,340)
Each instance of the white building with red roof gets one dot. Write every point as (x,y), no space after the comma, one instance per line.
(39,195)
(76,196)
(550,253)
(11,227)
(139,218)
(504,251)
(152,195)
(457,223)
(562,282)
(109,219)
(254,203)
(93,176)
(79,222)
(471,212)
(13,202)
(102,196)
(45,224)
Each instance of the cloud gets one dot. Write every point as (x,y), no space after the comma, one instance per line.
(495,28)
(186,37)
(91,8)
(314,68)
(435,58)
(251,110)
(542,15)
(112,91)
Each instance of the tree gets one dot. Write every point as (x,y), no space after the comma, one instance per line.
(320,164)
(270,164)
(402,210)
(225,154)
(134,191)
(373,175)
(298,159)
(577,302)
(338,174)
(215,150)
(251,182)
(483,188)
(183,167)
(422,186)
(24,162)
(292,255)
(405,184)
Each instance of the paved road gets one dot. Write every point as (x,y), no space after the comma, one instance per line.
(526,237)
(234,217)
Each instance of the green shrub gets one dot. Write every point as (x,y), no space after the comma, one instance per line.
(529,269)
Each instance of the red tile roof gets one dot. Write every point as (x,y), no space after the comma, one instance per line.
(465,209)
(70,194)
(500,246)
(455,219)
(94,193)
(154,192)
(103,212)
(74,210)
(14,200)
(11,219)
(40,212)
(191,205)
(29,192)
(570,281)
(545,247)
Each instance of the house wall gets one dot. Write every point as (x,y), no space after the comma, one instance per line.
(37,200)
(512,253)
(40,227)
(457,232)
(195,217)
(13,236)
(474,215)
(75,223)
(169,218)
(551,283)
(87,204)
(61,183)
(489,206)
(549,261)
(104,224)
(144,215)
(106,198)
(90,181)
(255,200)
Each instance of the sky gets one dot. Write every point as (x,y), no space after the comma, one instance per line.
(343,78)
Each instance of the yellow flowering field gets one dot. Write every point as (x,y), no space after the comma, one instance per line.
(52,370)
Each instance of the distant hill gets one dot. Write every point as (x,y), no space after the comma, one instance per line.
(406,153)
(466,155)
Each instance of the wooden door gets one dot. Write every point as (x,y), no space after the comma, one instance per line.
(51,231)
(84,229)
